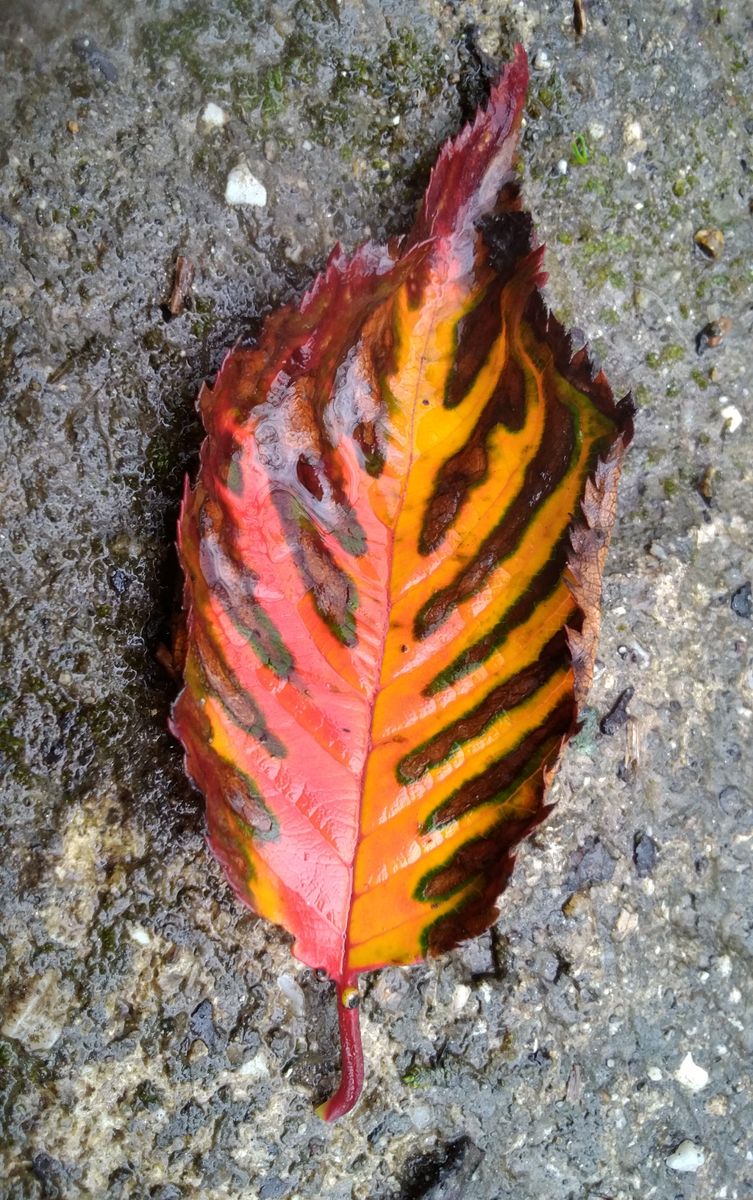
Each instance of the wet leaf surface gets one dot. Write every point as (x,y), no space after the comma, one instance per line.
(392,560)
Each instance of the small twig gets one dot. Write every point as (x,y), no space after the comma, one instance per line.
(183,278)
(618,714)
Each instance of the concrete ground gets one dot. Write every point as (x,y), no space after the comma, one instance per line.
(157,1041)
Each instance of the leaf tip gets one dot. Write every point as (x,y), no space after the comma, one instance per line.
(473,167)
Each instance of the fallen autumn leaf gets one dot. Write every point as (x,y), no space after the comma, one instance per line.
(392,558)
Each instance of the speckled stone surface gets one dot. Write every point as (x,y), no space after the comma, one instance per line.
(156,1040)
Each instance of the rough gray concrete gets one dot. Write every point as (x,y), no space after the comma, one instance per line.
(157,1041)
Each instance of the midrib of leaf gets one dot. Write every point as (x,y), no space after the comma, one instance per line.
(383,640)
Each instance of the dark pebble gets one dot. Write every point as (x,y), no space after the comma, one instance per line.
(742,601)
(712,335)
(50,1173)
(591,863)
(201,1024)
(55,753)
(89,52)
(443,1174)
(618,714)
(645,854)
(119,581)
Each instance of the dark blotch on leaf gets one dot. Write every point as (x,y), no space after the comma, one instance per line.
(307,475)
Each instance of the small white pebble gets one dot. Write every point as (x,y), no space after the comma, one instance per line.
(735,996)
(293,251)
(732,418)
(687,1157)
(596,131)
(626,923)
(307,145)
(461,997)
(244,188)
(724,965)
(396,119)
(654,1074)
(293,993)
(137,933)
(706,533)
(213,116)
(420,1116)
(632,132)
(691,1075)
(540,60)
(254,1068)
(562,166)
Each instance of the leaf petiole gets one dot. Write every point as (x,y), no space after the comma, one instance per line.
(351,1081)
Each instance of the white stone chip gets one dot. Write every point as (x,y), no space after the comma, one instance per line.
(687,1157)
(691,1075)
(244,188)
(420,1116)
(732,418)
(213,116)
(137,933)
(254,1068)
(293,993)
(461,997)
(632,132)
(38,1017)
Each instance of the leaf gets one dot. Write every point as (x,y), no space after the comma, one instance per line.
(392,560)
